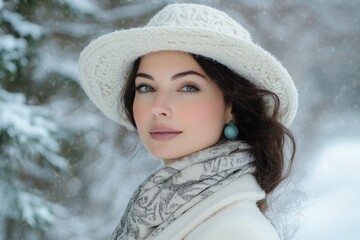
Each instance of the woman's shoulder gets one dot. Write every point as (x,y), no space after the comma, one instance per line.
(233,206)
(240,220)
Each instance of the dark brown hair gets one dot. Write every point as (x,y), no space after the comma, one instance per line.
(266,135)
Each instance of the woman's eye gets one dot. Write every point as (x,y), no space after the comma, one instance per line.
(189,88)
(144,88)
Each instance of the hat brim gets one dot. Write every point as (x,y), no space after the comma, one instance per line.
(104,65)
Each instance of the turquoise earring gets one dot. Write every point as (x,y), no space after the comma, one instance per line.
(231,132)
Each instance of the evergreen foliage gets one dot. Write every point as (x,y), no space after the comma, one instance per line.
(30,138)
(65,171)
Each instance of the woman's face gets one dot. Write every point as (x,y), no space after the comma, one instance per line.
(177,109)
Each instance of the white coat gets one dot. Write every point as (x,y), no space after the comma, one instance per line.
(230,213)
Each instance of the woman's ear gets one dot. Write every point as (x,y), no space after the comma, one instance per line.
(229,115)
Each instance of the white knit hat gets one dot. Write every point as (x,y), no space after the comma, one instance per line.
(104,65)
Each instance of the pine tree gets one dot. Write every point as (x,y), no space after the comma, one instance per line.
(30,138)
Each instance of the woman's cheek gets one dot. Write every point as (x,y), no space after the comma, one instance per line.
(139,113)
(202,112)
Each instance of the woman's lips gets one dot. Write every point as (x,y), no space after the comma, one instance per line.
(163,134)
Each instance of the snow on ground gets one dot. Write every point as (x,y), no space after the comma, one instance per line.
(332,211)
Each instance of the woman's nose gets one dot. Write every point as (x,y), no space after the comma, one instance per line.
(161,106)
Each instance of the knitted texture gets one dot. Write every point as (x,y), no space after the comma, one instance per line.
(105,63)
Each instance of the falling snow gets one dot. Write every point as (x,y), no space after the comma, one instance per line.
(80,192)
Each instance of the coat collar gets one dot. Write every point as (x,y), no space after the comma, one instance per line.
(244,188)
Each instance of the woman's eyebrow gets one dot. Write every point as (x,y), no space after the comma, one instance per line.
(176,76)
(144,75)
(183,74)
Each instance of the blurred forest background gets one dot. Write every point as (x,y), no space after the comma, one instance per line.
(67,172)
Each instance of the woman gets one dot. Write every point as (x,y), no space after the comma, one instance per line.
(208,102)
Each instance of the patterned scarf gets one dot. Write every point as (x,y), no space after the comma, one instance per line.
(166,195)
